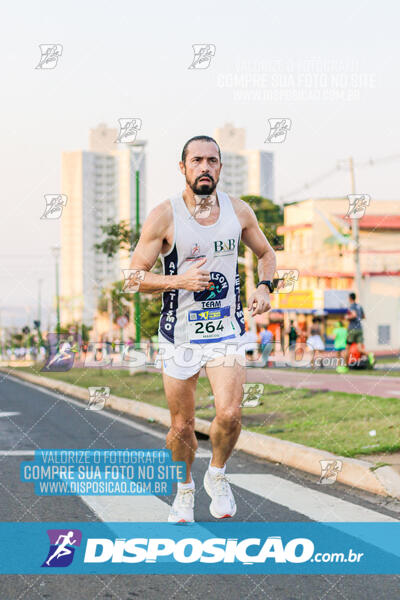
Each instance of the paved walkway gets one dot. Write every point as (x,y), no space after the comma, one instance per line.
(373,385)
(390,459)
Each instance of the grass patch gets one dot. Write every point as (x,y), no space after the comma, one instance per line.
(332,421)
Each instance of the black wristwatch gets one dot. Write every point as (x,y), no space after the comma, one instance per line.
(268,283)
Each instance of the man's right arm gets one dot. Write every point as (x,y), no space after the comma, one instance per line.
(148,249)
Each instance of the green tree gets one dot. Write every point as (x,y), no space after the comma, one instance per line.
(151,308)
(119,309)
(122,236)
(17,339)
(119,236)
(269,216)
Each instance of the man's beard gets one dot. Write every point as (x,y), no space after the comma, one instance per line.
(203,188)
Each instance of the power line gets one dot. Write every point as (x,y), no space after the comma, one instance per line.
(377,161)
(339,166)
(307,185)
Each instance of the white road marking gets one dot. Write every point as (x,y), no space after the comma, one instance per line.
(158,434)
(397,392)
(126,509)
(8,414)
(113,509)
(315,505)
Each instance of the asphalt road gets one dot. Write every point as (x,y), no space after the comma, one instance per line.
(263,491)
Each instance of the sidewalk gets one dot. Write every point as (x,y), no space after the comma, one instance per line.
(385,387)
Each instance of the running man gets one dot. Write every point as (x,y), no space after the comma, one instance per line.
(62,549)
(202,310)
(63,358)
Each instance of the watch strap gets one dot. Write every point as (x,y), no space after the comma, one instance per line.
(268,283)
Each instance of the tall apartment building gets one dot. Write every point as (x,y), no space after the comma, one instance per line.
(244,171)
(101,188)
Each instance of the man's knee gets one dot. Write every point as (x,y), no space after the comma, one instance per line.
(182,428)
(229,418)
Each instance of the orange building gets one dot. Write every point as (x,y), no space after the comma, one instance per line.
(318,244)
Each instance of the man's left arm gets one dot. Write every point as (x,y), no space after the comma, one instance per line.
(253,238)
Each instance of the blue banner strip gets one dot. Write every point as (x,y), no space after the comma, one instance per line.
(200,548)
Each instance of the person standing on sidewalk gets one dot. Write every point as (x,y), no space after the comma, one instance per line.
(314,340)
(266,339)
(340,333)
(355,331)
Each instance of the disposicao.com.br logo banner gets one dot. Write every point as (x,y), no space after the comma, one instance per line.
(201,548)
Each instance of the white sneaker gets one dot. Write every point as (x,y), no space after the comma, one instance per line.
(182,507)
(223,503)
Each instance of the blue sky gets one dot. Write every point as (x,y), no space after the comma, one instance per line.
(131,59)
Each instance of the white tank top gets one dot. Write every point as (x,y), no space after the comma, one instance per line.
(216,314)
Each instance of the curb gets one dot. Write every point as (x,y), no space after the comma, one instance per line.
(384,480)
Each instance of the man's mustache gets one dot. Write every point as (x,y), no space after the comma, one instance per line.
(205,177)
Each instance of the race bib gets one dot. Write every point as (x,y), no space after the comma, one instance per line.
(210,325)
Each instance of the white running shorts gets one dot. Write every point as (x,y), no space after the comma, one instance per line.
(184,361)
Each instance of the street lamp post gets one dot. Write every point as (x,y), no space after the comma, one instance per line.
(56,250)
(39,315)
(136,159)
(355,233)
(137,297)
(356,237)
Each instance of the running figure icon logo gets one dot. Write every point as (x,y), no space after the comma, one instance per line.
(60,360)
(278,129)
(286,280)
(50,53)
(62,547)
(217,288)
(128,129)
(98,397)
(203,54)
(55,204)
(329,471)
(204,204)
(132,280)
(357,205)
(251,394)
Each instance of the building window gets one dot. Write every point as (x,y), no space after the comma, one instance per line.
(383,334)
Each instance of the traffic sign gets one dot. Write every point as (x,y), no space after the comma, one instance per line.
(122,321)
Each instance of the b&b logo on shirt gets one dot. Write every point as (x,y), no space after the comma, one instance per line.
(224,247)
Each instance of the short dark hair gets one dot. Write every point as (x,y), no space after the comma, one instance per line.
(352,296)
(198,138)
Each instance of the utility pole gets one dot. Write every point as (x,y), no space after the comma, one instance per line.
(356,238)
(136,160)
(38,322)
(39,313)
(137,296)
(110,314)
(56,253)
